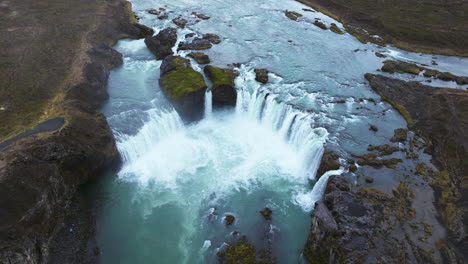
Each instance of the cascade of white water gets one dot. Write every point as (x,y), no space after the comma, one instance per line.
(208,103)
(295,126)
(160,125)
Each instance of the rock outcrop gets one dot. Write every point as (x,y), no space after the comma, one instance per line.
(261,75)
(391,66)
(364,225)
(184,87)
(161,45)
(203,43)
(440,116)
(223,89)
(40,174)
(199,57)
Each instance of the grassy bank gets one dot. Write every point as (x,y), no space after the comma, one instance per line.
(427,26)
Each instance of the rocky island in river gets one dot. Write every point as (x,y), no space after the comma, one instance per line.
(233,132)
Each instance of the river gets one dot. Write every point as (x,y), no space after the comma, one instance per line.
(177,182)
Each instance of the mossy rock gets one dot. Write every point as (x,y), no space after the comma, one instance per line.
(336,29)
(383,150)
(199,57)
(320,24)
(400,135)
(182,79)
(401,67)
(223,88)
(380,55)
(292,15)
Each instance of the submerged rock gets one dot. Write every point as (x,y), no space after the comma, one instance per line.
(266,212)
(184,87)
(373,128)
(261,75)
(223,89)
(199,57)
(203,43)
(161,45)
(292,15)
(229,220)
(180,22)
(201,16)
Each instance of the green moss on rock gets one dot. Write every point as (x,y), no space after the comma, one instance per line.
(181,79)
(220,76)
(336,29)
(292,15)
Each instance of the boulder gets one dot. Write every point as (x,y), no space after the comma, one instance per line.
(201,16)
(180,22)
(336,29)
(261,75)
(203,43)
(365,225)
(223,89)
(199,57)
(329,162)
(266,213)
(161,45)
(229,220)
(320,24)
(292,15)
(184,87)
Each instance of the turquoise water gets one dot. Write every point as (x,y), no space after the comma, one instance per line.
(177,182)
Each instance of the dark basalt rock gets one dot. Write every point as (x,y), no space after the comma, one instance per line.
(383,150)
(199,57)
(320,24)
(200,16)
(229,220)
(329,162)
(438,115)
(363,226)
(261,75)
(180,22)
(411,68)
(161,45)
(203,43)
(336,29)
(400,135)
(223,89)
(373,128)
(292,15)
(266,213)
(184,87)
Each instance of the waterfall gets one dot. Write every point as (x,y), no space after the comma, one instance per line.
(208,103)
(160,125)
(295,126)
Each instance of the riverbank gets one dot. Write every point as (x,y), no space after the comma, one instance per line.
(427,26)
(65,79)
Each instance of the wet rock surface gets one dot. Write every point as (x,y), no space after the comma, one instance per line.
(439,116)
(391,66)
(223,89)
(353,225)
(161,45)
(292,15)
(261,75)
(41,174)
(329,162)
(200,43)
(200,57)
(266,213)
(180,22)
(184,87)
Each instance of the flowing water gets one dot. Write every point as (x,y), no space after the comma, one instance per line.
(177,183)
